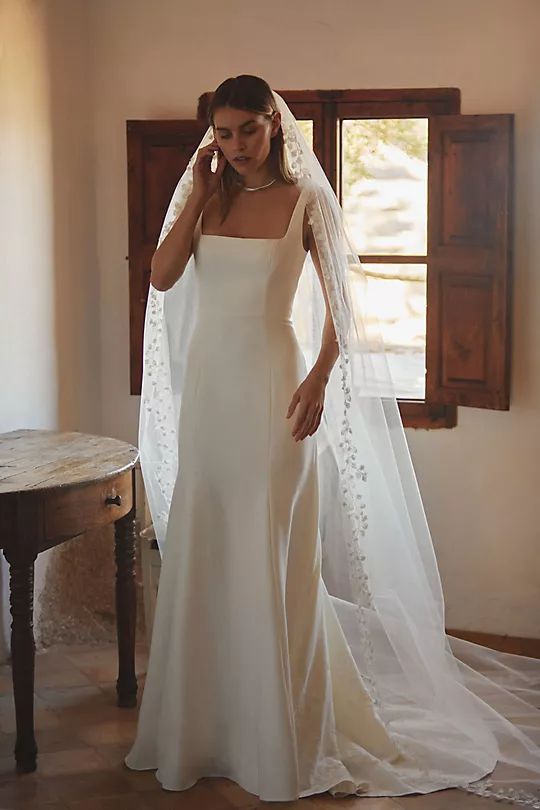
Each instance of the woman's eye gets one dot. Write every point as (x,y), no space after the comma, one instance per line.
(246,132)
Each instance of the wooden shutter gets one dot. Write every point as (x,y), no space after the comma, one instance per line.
(158,153)
(470,193)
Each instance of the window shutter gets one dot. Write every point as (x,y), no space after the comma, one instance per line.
(158,153)
(470,193)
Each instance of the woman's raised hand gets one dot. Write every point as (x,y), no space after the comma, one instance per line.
(205,181)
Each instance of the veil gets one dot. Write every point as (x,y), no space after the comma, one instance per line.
(466,715)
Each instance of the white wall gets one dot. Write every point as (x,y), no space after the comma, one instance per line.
(28,345)
(49,333)
(155,58)
(27,306)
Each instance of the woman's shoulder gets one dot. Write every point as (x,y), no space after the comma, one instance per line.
(302,183)
(303,186)
(311,190)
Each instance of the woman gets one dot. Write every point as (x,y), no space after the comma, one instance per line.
(296,649)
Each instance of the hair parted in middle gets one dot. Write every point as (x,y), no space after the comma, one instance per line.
(253,94)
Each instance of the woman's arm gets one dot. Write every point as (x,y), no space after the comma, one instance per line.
(329,351)
(310,393)
(170,259)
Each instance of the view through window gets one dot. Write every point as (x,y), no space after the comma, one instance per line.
(383,171)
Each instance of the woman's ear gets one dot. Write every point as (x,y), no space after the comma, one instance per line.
(276,123)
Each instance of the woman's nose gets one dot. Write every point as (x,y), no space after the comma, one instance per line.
(238,143)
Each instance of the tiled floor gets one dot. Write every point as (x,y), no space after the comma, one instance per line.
(82,738)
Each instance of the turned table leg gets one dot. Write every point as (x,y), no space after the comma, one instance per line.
(22,660)
(126,609)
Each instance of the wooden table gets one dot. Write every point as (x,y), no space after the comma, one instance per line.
(55,486)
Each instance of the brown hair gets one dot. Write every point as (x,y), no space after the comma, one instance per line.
(251,93)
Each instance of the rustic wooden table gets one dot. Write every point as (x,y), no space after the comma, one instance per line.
(55,486)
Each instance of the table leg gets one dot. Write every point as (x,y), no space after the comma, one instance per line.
(21,600)
(126,609)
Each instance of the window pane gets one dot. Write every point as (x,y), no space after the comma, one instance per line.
(396,295)
(384,184)
(306,128)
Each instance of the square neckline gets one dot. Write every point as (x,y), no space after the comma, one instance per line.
(254,238)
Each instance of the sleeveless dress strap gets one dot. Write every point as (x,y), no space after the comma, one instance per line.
(297,219)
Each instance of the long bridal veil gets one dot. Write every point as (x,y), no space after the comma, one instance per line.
(465,715)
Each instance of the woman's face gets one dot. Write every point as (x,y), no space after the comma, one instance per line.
(244,133)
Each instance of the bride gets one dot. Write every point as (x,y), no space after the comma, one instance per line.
(298,643)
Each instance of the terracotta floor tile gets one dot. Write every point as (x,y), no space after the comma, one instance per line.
(101,665)
(61,678)
(140,781)
(77,721)
(7,743)
(7,705)
(57,738)
(451,799)
(54,669)
(70,761)
(94,784)
(6,684)
(26,792)
(325,801)
(52,660)
(109,731)
(43,718)
(242,800)
(198,797)
(124,801)
(235,795)
(95,708)
(69,696)
(7,768)
(73,649)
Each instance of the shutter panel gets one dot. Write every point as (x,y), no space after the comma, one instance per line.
(158,153)
(470,193)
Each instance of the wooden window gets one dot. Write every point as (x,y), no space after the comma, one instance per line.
(157,154)
(463,269)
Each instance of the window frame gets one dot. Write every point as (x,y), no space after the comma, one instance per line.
(327,108)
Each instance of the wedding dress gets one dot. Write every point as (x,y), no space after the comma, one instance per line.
(261,687)
(296,649)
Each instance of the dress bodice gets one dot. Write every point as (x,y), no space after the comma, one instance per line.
(245,276)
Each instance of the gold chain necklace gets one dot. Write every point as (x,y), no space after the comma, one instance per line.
(257,188)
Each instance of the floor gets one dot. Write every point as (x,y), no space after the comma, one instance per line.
(82,738)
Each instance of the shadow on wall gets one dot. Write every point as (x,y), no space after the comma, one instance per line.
(45,101)
(77,602)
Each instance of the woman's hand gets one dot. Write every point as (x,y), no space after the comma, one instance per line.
(309,396)
(205,181)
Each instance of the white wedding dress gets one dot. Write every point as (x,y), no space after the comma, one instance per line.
(250,676)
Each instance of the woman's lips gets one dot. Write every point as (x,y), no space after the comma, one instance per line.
(241,160)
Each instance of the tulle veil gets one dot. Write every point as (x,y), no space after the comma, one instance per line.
(468,716)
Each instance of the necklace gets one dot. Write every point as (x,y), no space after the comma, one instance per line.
(257,188)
